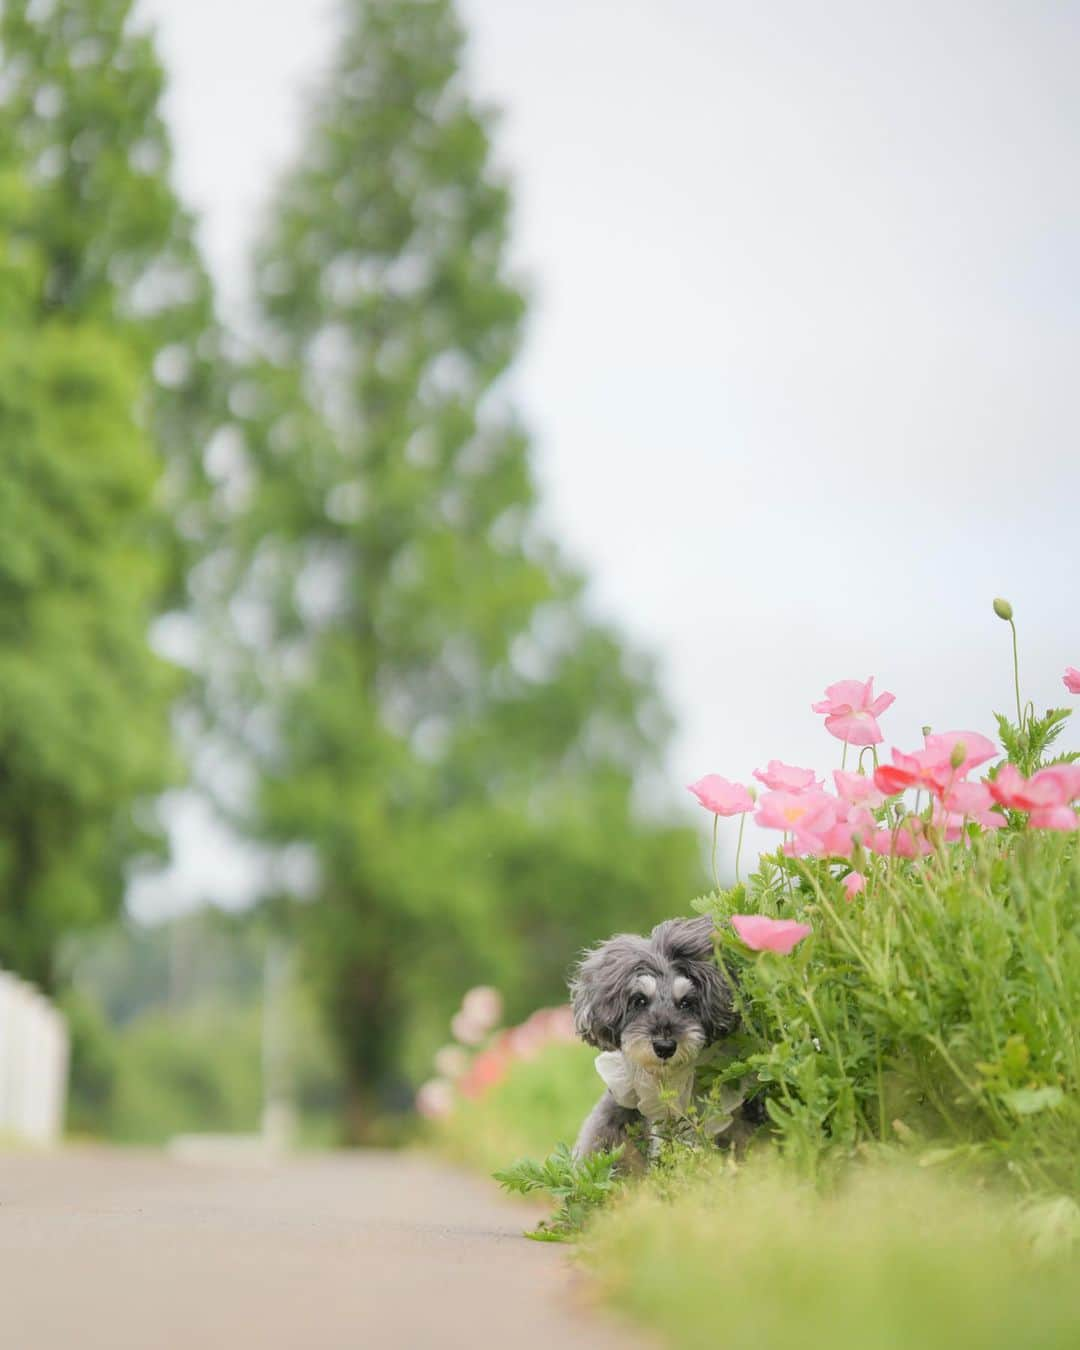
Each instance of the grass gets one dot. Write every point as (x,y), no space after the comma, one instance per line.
(897,1257)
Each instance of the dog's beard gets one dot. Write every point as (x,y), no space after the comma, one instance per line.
(637,1046)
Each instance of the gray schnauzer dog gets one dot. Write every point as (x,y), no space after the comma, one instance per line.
(651,1006)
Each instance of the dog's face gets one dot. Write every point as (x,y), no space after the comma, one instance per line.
(659,999)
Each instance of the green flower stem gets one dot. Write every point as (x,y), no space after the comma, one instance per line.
(738,846)
(715,825)
(1016,677)
(843,759)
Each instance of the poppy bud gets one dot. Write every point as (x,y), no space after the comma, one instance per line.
(1003,609)
(959,754)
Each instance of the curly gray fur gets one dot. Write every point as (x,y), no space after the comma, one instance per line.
(660,1000)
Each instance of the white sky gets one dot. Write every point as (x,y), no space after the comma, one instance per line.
(802,363)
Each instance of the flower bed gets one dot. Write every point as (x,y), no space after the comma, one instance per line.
(908,960)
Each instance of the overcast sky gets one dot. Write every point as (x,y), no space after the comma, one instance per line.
(802,363)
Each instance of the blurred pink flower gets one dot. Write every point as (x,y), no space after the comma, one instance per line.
(1053,818)
(786,777)
(483,1006)
(953,822)
(857,788)
(908,841)
(832,833)
(468,1033)
(1071,679)
(721,797)
(769,935)
(1056,785)
(435,1099)
(451,1061)
(968,799)
(851,711)
(488,1068)
(854,884)
(839,841)
(1065,776)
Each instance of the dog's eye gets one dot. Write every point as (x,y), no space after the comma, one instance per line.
(685,1004)
(638,1001)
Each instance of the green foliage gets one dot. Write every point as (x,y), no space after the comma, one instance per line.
(538,1101)
(754,1258)
(579,1185)
(83,702)
(167,1035)
(81,110)
(1026,745)
(439,719)
(106,399)
(938,1012)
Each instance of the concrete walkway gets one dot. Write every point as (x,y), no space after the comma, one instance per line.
(370,1251)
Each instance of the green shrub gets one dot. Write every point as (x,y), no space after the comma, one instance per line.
(939,1010)
(539,1103)
(199,1071)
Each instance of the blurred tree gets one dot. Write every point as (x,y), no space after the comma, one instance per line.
(79,100)
(110,390)
(83,701)
(435,714)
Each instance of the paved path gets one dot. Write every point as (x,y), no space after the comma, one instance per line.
(370,1251)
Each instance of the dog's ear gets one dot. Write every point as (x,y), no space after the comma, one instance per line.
(684,939)
(688,943)
(598,989)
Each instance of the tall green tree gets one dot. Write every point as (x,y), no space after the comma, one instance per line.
(111,392)
(437,716)
(83,701)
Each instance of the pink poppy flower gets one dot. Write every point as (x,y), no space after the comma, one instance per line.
(977,749)
(905,771)
(1053,818)
(1056,785)
(851,711)
(908,841)
(933,767)
(839,840)
(854,884)
(857,788)
(716,794)
(769,935)
(786,777)
(953,822)
(1066,777)
(1071,679)
(968,799)
(795,812)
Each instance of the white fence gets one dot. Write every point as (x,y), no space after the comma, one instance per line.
(33,1063)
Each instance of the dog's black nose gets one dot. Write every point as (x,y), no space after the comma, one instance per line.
(664,1049)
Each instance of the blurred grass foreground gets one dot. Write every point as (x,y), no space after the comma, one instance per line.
(298,576)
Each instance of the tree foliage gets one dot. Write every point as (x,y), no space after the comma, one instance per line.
(108,391)
(79,100)
(435,711)
(83,701)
